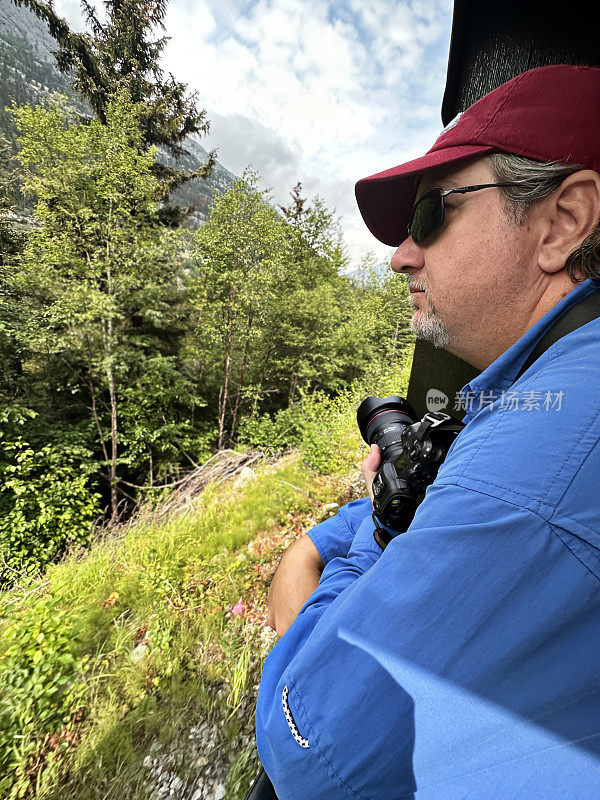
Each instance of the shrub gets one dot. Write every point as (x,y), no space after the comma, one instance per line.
(46,504)
(324,427)
(42,687)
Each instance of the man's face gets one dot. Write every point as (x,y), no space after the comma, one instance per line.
(469,280)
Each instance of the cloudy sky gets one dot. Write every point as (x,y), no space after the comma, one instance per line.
(321,91)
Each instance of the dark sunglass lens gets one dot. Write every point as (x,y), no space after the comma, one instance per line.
(428,215)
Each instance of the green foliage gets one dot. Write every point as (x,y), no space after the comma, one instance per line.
(241,253)
(46,505)
(277,432)
(324,426)
(121,54)
(79,711)
(150,355)
(11,243)
(331,442)
(277,320)
(42,685)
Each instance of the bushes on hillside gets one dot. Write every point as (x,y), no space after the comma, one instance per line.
(322,426)
(46,504)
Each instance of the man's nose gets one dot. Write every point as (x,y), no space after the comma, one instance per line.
(408,257)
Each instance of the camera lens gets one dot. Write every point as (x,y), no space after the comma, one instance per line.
(381,421)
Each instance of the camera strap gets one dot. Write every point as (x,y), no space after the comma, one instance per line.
(262,788)
(584,311)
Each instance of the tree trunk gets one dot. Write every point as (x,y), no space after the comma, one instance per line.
(295,380)
(112,389)
(395,345)
(238,393)
(224,393)
(110,350)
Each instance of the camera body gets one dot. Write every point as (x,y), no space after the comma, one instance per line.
(412,451)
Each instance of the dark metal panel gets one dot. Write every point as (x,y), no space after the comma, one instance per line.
(494,41)
(437,373)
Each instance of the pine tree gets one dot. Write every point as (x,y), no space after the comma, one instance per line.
(123,54)
(241,255)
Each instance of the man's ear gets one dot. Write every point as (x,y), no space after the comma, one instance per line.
(571,213)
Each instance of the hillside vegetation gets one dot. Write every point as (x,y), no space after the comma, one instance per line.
(131,350)
(131,669)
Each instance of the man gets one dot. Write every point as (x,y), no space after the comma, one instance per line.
(463,661)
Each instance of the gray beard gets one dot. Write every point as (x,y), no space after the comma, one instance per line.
(429,326)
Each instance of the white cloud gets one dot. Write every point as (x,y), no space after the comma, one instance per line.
(323,91)
(71,11)
(316,90)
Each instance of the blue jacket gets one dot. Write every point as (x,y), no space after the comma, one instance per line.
(463,662)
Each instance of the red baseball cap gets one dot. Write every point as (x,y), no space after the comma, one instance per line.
(546,114)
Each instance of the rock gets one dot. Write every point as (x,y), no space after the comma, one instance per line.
(245,475)
(329,508)
(220,792)
(139,652)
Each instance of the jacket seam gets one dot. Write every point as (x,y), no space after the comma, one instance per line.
(481,443)
(457,481)
(329,552)
(556,529)
(522,383)
(501,415)
(593,420)
(575,522)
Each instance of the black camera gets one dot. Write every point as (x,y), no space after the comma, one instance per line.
(412,451)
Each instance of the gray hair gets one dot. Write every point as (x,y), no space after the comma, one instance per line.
(536,180)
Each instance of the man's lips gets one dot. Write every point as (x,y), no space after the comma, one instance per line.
(413,291)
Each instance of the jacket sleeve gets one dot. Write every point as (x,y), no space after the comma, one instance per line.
(333,537)
(420,668)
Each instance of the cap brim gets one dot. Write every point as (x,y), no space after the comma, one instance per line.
(385,200)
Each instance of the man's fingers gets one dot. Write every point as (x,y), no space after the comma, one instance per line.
(370,466)
(373,461)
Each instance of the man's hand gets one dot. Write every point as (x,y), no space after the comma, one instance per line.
(296,579)
(370,466)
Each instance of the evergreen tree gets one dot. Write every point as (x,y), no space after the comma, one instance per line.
(303,353)
(122,53)
(378,322)
(276,318)
(241,254)
(99,278)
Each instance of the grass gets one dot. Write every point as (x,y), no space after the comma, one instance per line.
(157,626)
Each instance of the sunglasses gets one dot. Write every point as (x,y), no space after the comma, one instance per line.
(429,211)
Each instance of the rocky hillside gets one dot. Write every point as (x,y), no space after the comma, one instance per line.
(28,74)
